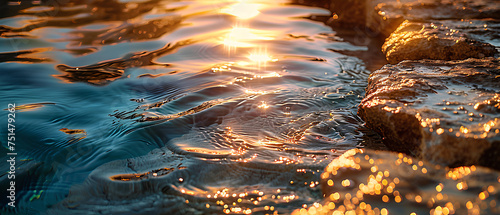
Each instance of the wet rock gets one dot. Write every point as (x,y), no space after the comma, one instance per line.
(442,111)
(355,13)
(360,15)
(376,182)
(415,41)
(382,17)
(425,10)
(374,21)
(479,20)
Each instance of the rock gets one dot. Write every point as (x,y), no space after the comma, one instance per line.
(426,10)
(361,16)
(362,13)
(479,20)
(442,111)
(377,182)
(415,41)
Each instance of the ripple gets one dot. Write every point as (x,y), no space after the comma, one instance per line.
(27,56)
(187,107)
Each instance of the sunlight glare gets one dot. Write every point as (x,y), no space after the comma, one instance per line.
(260,57)
(242,10)
(240,37)
(263,105)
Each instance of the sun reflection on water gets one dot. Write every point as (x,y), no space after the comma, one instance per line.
(260,57)
(243,37)
(236,38)
(267,135)
(243,10)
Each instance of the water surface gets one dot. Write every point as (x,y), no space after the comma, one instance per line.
(189,107)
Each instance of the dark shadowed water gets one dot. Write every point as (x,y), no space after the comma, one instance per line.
(168,106)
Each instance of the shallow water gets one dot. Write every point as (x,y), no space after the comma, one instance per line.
(190,107)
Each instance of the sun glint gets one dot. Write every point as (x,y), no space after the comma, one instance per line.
(242,10)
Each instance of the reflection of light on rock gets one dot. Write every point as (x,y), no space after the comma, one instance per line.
(224,196)
(462,185)
(464,130)
(346,183)
(370,182)
(242,10)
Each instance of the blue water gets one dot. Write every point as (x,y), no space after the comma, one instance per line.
(167,104)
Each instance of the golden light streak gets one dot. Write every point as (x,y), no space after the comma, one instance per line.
(256,92)
(237,37)
(243,37)
(260,57)
(269,75)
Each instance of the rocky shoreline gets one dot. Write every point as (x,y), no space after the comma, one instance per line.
(438,98)
(437,101)
(445,112)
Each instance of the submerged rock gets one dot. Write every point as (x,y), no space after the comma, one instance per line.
(442,111)
(376,182)
(416,41)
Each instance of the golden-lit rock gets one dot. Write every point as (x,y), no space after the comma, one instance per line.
(443,111)
(377,182)
(445,30)
(360,15)
(416,41)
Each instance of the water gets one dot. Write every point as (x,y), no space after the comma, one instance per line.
(163,106)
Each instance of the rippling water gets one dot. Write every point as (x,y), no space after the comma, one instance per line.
(168,106)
